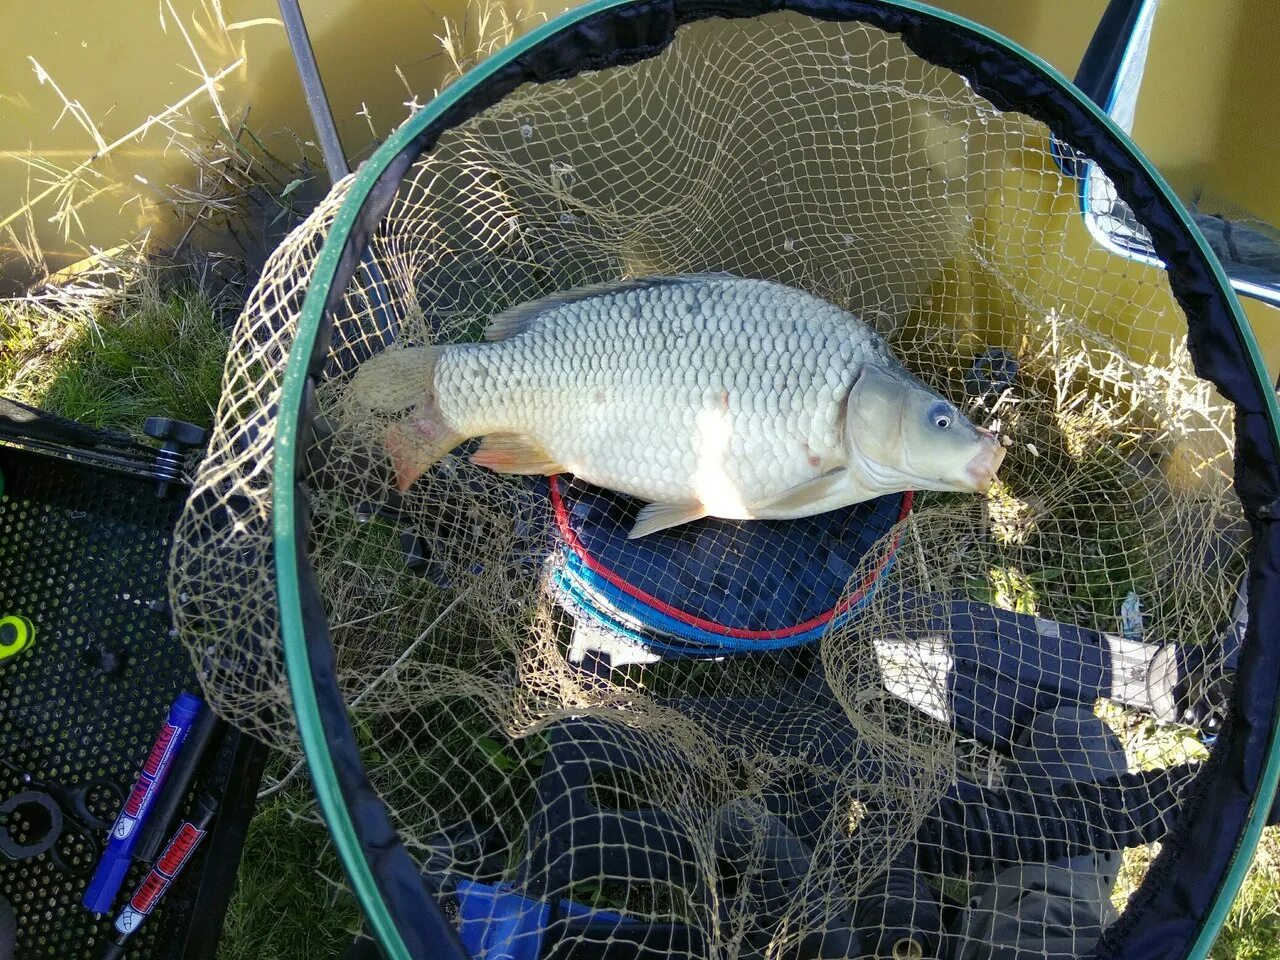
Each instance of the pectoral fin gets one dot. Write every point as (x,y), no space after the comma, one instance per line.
(660,516)
(804,494)
(512,453)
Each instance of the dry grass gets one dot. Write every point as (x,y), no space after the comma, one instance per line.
(129,339)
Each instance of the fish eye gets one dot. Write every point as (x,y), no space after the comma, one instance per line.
(941,415)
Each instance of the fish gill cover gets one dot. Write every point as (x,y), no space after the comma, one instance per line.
(1057,631)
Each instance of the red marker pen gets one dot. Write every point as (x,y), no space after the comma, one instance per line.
(154,885)
(118,852)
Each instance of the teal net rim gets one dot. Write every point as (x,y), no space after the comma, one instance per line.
(404,920)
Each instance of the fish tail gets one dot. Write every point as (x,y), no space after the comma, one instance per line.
(399,380)
(418,442)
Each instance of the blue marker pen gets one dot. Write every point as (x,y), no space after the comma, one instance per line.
(118,854)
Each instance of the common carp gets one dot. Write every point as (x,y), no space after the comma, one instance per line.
(704,394)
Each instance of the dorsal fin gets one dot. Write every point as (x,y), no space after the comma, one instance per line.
(516,320)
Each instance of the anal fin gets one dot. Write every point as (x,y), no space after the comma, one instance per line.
(804,494)
(513,453)
(661,516)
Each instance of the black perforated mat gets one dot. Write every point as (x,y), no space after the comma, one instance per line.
(83,555)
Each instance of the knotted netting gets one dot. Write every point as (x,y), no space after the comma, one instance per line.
(932,724)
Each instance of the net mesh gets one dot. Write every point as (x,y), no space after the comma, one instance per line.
(961,759)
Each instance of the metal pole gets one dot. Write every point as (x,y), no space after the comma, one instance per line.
(321,116)
(372,283)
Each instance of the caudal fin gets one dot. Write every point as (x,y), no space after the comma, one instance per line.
(417,442)
(397,380)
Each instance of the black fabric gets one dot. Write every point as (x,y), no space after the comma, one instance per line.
(1166,912)
(1096,74)
(8,930)
(786,573)
(973,826)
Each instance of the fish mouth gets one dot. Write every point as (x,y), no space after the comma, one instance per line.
(981,470)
